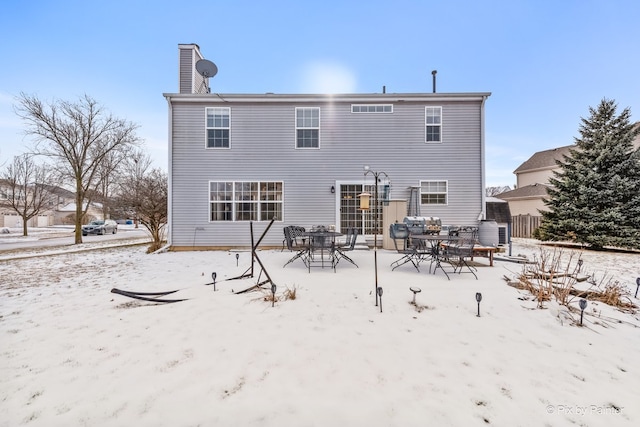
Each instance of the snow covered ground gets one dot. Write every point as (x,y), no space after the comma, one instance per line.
(73,353)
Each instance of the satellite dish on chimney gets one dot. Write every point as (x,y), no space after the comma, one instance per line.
(206,69)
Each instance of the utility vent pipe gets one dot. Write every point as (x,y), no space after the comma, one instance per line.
(433,73)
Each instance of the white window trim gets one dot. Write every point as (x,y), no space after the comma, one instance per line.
(446,193)
(431,124)
(206,116)
(318,128)
(234,201)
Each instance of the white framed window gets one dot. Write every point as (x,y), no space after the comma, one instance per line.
(245,200)
(371,108)
(433,124)
(217,127)
(433,192)
(307,127)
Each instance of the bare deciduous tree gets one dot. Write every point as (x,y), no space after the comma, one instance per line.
(78,136)
(494,191)
(27,186)
(147,196)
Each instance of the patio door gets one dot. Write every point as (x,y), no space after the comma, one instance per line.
(350,213)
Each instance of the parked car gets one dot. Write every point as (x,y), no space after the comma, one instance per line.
(100,227)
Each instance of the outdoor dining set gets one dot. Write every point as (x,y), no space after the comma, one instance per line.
(449,251)
(452,249)
(320,246)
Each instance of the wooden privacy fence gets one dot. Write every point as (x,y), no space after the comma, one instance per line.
(524,225)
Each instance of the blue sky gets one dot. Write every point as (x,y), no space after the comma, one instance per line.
(544,61)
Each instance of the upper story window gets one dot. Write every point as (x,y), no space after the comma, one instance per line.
(245,200)
(433,192)
(433,122)
(308,127)
(372,108)
(218,127)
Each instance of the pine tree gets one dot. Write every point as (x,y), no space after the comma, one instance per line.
(594,197)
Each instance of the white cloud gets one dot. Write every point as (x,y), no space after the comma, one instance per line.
(328,77)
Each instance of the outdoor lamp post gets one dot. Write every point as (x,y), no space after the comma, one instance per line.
(364,204)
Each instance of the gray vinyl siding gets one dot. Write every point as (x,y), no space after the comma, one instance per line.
(186,71)
(263,140)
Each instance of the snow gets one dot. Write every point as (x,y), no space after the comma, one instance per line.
(73,353)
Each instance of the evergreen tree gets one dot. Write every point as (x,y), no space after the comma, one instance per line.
(594,197)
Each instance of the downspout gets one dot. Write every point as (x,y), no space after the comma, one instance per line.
(483,210)
(170,174)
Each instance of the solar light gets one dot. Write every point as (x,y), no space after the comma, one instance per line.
(273,294)
(237,258)
(213,277)
(478,299)
(380,295)
(580,264)
(583,305)
(415,291)
(637,286)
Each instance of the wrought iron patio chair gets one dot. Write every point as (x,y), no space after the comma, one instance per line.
(348,245)
(399,233)
(458,251)
(296,243)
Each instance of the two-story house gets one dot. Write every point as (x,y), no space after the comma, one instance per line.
(300,158)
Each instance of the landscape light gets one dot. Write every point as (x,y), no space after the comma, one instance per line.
(583,305)
(273,294)
(478,299)
(237,258)
(213,277)
(637,286)
(379,292)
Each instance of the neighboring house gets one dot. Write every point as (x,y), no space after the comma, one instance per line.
(9,217)
(532,181)
(59,211)
(299,158)
(66,214)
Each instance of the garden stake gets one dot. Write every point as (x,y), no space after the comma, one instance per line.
(478,298)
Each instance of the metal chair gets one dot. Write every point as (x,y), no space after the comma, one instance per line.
(460,250)
(399,233)
(349,245)
(292,237)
